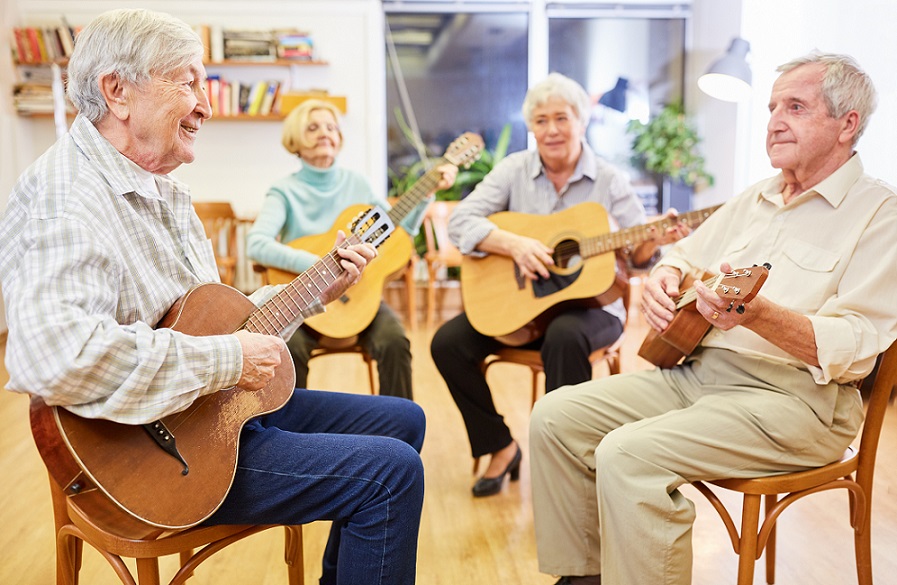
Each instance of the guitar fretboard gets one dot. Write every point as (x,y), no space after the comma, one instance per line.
(632,237)
(285,307)
(417,193)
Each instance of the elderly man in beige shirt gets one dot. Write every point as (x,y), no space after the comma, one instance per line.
(771,388)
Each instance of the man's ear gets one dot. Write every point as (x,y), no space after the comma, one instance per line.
(116,95)
(850,125)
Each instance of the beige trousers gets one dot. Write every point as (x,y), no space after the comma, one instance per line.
(608,457)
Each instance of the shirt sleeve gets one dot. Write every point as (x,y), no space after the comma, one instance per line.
(67,346)
(468,225)
(261,241)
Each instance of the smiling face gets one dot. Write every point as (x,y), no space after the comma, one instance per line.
(164,115)
(322,137)
(558,133)
(802,138)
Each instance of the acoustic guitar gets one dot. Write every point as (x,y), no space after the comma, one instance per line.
(355,310)
(500,302)
(175,472)
(688,326)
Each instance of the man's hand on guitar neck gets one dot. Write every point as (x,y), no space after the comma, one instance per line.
(531,256)
(353,259)
(261,356)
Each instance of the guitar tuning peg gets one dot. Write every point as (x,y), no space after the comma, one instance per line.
(732,304)
(740,309)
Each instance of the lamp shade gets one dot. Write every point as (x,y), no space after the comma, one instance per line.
(615,99)
(729,78)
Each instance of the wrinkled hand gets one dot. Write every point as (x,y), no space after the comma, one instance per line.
(714,308)
(449,174)
(657,298)
(261,356)
(353,259)
(532,256)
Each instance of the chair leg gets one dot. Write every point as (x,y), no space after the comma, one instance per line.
(431,295)
(535,387)
(412,295)
(148,571)
(293,555)
(371,381)
(747,549)
(770,550)
(862,543)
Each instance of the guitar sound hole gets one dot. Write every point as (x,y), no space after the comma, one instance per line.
(566,254)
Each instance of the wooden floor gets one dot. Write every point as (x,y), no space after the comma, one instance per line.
(463,540)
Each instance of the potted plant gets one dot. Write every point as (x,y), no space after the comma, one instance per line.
(667,146)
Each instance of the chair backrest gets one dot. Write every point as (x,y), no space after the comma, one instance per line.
(882,385)
(220,223)
(436,232)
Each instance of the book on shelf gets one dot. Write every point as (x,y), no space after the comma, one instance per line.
(33,45)
(256,95)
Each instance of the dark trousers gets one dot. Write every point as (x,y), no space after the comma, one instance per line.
(385,341)
(344,457)
(459,350)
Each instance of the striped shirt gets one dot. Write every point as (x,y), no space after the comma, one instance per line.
(90,260)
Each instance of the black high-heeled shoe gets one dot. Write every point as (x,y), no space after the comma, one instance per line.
(489,486)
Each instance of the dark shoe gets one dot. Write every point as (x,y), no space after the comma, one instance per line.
(572,580)
(489,486)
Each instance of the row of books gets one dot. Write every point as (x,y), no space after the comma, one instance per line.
(231,98)
(35,98)
(39,45)
(255,45)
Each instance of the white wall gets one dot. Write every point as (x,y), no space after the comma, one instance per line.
(781,30)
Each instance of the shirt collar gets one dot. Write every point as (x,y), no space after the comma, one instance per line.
(833,188)
(119,171)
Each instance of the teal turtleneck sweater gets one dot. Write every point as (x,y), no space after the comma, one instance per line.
(308,203)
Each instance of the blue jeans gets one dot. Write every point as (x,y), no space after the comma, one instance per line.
(349,458)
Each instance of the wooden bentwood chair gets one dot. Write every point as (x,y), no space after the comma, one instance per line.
(220,223)
(853,472)
(87,515)
(440,252)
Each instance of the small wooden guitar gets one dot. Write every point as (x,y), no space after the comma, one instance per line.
(688,326)
(175,472)
(355,310)
(500,302)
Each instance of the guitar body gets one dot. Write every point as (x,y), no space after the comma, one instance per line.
(355,310)
(681,337)
(104,463)
(501,303)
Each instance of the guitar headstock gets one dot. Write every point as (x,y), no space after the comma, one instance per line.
(742,285)
(464,150)
(373,226)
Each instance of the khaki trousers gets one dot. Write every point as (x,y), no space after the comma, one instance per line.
(608,457)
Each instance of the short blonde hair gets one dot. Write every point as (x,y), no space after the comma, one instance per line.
(296,122)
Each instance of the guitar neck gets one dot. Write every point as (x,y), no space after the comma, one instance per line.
(632,237)
(417,193)
(284,308)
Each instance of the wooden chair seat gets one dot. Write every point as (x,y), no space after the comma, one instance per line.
(853,472)
(146,544)
(331,346)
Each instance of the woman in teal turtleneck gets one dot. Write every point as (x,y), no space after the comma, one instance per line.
(308,202)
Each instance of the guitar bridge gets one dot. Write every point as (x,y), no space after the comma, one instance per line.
(165,439)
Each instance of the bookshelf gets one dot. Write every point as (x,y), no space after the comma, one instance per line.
(225,74)
(40,55)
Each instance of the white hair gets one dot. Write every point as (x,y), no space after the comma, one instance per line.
(132,44)
(559,86)
(845,86)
